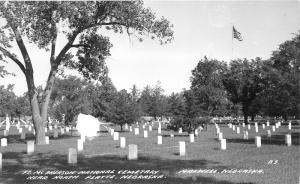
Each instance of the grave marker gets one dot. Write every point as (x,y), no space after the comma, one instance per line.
(256,129)
(159,130)
(171,135)
(196,132)
(290,126)
(130,128)
(192,138)
(263,126)
(136,131)
(79,145)
(288,139)
(47,139)
(145,134)
(181,148)
(30,147)
(150,128)
(220,136)
(223,144)
(268,123)
(238,130)
(133,152)
(112,131)
(180,130)
(159,139)
(258,141)
(122,142)
(249,127)
(246,135)
(72,156)
(273,128)
(116,136)
(3,142)
(268,133)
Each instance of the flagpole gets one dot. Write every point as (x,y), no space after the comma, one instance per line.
(231,41)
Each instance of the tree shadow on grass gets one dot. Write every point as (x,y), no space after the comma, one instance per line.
(16,163)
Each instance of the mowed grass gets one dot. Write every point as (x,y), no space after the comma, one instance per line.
(279,163)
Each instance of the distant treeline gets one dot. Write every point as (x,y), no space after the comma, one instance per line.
(242,87)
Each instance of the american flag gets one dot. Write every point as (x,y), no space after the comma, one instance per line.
(237,35)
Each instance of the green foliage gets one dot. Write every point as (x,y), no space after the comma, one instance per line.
(206,83)
(69,97)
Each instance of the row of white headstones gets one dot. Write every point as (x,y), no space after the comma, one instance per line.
(132,148)
(288,138)
(30,143)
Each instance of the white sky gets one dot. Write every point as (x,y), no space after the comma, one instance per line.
(201,28)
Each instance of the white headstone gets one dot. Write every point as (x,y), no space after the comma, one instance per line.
(136,131)
(258,141)
(196,132)
(288,139)
(238,130)
(249,127)
(143,126)
(145,133)
(68,129)
(263,126)
(171,135)
(50,127)
(218,130)
(126,126)
(29,128)
(72,156)
(245,135)
(220,136)
(20,130)
(130,128)
(181,148)
(46,130)
(133,152)
(230,125)
(290,126)
(112,131)
(268,123)
(233,127)
(47,139)
(159,139)
(79,145)
(150,128)
(243,124)
(180,130)
(159,130)
(192,138)
(87,125)
(256,129)
(62,130)
(273,128)
(223,144)
(116,136)
(3,142)
(268,133)
(122,142)
(30,147)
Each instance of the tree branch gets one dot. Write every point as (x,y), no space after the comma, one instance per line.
(81,45)
(54,38)
(14,58)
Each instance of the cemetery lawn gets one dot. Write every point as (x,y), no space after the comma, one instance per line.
(204,162)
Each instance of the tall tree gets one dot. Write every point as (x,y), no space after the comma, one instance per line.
(282,71)
(41,23)
(244,82)
(206,82)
